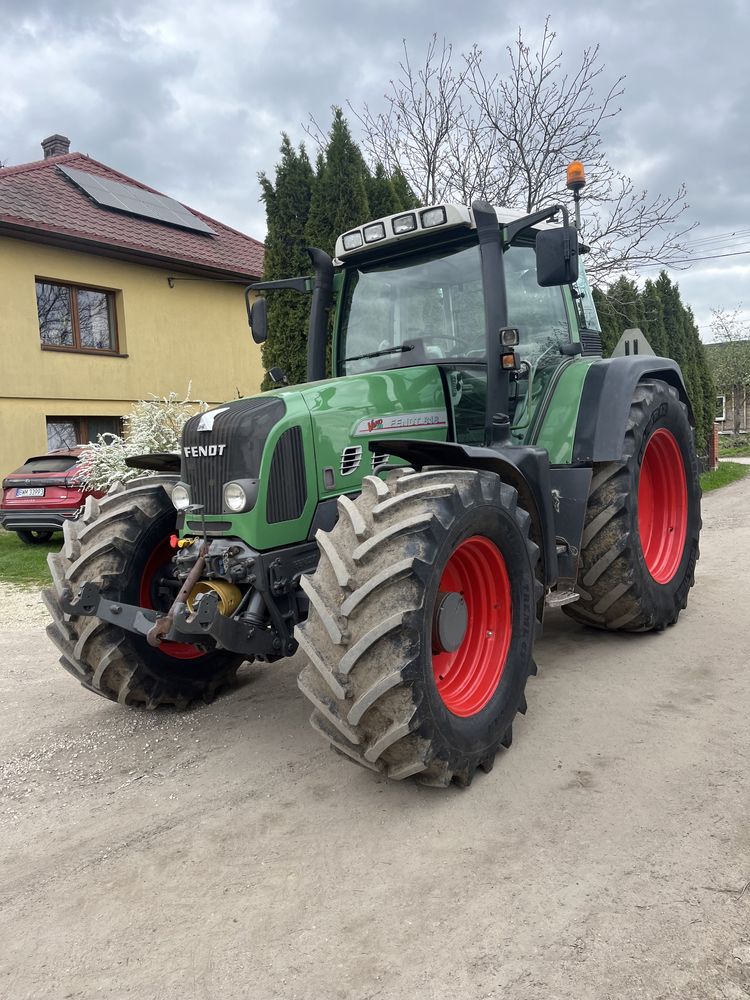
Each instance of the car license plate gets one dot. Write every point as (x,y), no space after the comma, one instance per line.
(34,491)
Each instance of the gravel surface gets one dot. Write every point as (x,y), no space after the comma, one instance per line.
(226,853)
(21,609)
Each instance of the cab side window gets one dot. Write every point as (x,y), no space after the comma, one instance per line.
(539,313)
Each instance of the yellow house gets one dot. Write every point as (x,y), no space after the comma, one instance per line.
(110,292)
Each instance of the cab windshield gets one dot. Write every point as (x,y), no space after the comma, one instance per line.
(429,307)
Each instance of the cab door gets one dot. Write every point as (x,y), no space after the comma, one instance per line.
(546,325)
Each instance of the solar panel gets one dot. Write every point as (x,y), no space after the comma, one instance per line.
(135,201)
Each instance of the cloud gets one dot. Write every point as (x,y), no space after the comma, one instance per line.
(192,97)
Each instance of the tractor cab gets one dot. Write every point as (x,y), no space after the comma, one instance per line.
(411,293)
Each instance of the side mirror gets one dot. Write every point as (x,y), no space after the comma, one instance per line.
(278,376)
(557,256)
(258,319)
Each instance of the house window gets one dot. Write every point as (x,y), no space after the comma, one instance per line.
(721,408)
(76,319)
(69,432)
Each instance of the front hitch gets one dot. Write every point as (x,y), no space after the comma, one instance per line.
(181,625)
(163,626)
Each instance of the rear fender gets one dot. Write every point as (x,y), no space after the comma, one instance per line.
(605,403)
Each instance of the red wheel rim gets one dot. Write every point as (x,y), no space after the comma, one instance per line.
(158,559)
(467,679)
(662,506)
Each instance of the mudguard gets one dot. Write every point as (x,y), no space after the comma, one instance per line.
(524,468)
(605,403)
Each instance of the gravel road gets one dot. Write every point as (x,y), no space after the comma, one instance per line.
(226,853)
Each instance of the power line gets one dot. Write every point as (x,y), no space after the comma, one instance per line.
(693,260)
(719,237)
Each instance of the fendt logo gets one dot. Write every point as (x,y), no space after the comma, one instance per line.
(206,422)
(204,450)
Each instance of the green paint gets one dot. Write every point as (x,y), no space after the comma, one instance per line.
(345,413)
(256,531)
(335,414)
(252,526)
(558,429)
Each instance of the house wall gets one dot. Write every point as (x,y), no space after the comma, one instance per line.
(736,401)
(195,333)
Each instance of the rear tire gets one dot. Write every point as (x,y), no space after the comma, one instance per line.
(640,540)
(390,688)
(35,537)
(113,546)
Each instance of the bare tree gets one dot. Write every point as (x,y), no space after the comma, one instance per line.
(459,133)
(730,358)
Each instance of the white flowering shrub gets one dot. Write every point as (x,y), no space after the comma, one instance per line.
(154,425)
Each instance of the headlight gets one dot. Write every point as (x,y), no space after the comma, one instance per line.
(235,498)
(180,496)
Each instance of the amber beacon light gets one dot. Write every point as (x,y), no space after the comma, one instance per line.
(575,176)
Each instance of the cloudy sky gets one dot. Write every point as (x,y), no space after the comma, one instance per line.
(191,97)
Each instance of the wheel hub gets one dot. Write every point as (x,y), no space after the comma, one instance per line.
(449,623)
(471,626)
(662,506)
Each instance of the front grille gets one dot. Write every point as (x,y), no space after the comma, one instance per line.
(287,486)
(212,527)
(231,449)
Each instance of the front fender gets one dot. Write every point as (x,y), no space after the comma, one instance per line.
(524,468)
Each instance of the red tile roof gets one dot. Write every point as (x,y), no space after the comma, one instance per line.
(37,199)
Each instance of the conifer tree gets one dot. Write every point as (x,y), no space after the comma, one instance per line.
(624,296)
(671,330)
(287,202)
(306,207)
(608,321)
(405,197)
(381,194)
(704,400)
(653,319)
(339,199)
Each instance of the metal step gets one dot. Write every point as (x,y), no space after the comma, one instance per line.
(556,598)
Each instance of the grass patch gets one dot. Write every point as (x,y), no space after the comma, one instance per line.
(25,565)
(728,472)
(734,446)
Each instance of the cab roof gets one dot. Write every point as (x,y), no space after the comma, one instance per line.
(401,226)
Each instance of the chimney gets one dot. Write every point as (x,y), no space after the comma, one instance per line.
(55,145)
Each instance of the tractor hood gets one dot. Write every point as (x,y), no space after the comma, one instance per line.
(350,414)
(296,447)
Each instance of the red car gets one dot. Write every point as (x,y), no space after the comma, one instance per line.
(44,493)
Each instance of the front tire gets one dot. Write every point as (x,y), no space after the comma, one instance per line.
(640,540)
(421,626)
(121,545)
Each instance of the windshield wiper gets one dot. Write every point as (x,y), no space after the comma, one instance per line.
(401,349)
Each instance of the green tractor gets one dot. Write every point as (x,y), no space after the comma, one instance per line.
(406,523)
